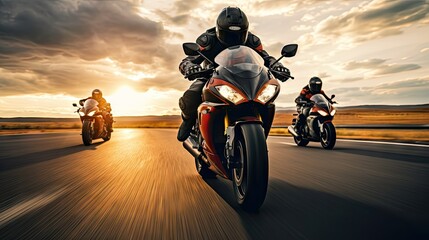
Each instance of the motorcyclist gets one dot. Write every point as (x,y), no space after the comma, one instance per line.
(231,30)
(303,102)
(103,106)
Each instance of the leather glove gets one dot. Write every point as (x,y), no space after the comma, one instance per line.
(192,68)
(278,69)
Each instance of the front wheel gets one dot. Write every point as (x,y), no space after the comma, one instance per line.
(87,132)
(108,136)
(328,136)
(251,180)
(300,141)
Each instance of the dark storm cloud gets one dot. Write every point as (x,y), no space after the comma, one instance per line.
(377,19)
(380,67)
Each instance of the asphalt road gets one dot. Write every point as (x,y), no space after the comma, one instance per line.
(142,185)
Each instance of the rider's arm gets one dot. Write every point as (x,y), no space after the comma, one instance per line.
(255,43)
(205,41)
(323,93)
(82,101)
(102,104)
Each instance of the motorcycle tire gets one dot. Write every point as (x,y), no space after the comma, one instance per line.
(87,132)
(250,182)
(300,141)
(328,136)
(108,136)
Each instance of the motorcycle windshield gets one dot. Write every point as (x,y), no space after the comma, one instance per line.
(89,106)
(320,100)
(241,61)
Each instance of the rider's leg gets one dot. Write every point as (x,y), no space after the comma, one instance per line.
(189,103)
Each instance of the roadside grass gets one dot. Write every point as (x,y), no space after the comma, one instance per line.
(343,117)
(414,135)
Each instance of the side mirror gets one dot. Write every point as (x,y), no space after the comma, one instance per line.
(191,49)
(333,95)
(74,105)
(289,50)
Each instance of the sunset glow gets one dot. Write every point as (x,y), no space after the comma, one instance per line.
(371,52)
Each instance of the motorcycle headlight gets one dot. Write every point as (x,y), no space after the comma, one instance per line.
(229,93)
(323,113)
(91,113)
(268,93)
(333,112)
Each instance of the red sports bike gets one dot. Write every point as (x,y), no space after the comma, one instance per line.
(93,125)
(229,137)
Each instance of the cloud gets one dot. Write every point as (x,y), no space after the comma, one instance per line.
(368,21)
(61,46)
(379,67)
(409,91)
(368,64)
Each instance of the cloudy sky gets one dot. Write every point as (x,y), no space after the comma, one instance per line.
(53,52)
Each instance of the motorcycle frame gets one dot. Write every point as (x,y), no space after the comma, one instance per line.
(218,122)
(315,121)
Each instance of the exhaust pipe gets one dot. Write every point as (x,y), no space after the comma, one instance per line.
(188,146)
(292,131)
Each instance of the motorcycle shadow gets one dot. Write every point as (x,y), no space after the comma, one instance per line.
(42,156)
(294,212)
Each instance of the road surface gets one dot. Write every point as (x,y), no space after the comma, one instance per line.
(142,185)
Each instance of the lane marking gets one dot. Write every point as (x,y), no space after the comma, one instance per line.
(27,206)
(366,141)
(291,144)
(389,143)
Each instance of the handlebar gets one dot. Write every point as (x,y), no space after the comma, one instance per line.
(283,74)
(199,74)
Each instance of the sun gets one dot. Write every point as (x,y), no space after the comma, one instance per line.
(126,101)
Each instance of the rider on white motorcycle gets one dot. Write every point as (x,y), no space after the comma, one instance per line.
(303,103)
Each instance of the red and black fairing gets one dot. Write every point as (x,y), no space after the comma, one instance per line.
(216,113)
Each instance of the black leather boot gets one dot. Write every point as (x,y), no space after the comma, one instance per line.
(185,128)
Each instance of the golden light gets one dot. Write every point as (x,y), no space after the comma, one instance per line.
(126,101)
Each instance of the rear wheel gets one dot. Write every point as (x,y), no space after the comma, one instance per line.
(251,180)
(328,136)
(87,132)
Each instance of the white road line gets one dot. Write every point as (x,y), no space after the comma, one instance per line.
(27,206)
(366,141)
(390,143)
(292,144)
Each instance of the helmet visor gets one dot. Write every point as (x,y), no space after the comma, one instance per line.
(232,38)
(316,87)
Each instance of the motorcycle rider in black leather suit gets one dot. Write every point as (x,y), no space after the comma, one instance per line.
(103,105)
(303,102)
(231,30)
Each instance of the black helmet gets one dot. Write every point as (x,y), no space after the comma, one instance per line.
(232,26)
(315,85)
(97,94)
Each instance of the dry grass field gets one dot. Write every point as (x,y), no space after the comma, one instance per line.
(346,116)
